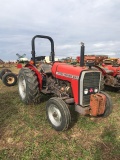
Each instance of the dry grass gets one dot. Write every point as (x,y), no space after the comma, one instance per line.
(25,133)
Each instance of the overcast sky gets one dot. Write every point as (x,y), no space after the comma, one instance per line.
(68,22)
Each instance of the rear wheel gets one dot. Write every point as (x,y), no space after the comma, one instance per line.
(28,86)
(58,114)
(9,79)
(108,106)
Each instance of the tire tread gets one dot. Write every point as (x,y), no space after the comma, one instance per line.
(33,92)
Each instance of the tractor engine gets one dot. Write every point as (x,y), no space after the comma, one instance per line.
(58,87)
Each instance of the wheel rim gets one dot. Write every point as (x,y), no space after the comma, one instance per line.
(10,80)
(54,115)
(22,87)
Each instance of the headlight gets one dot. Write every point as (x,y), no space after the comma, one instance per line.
(86,91)
(96,90)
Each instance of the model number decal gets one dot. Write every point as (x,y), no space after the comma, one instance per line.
(67,75)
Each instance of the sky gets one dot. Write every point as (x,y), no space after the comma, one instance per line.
(68,22)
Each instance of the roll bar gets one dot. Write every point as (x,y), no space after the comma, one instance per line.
(33,46)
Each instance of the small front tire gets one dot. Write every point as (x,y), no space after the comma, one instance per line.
(108,106)
(58,114)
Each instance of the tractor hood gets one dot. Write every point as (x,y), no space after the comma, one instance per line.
(66,72)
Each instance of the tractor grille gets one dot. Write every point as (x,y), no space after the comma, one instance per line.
(89,81)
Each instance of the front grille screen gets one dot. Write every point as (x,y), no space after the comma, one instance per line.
(90,82)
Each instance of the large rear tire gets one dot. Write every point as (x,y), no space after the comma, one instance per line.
(108,106)
(28,86)
(58,114)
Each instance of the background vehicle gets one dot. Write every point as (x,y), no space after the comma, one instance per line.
(78,86)
(112,61)
(118,61)
(97,59)
(7,77)
(66,60)
(111,76)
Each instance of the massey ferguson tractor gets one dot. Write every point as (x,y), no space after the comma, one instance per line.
(69,85)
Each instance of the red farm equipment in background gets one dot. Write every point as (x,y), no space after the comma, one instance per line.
(76,86)
(97,59)
(111,75)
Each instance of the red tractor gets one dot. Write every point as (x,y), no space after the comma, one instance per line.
(76,86)
(110,76)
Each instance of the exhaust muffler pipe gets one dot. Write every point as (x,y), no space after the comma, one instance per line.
(82,54)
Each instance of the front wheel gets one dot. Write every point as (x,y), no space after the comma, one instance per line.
(58,114)
(108,106)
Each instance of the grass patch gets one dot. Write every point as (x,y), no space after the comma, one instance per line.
(109,146)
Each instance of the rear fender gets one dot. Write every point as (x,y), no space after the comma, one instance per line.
(101,69)
(38,74)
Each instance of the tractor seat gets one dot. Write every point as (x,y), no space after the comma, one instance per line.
(46,68)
